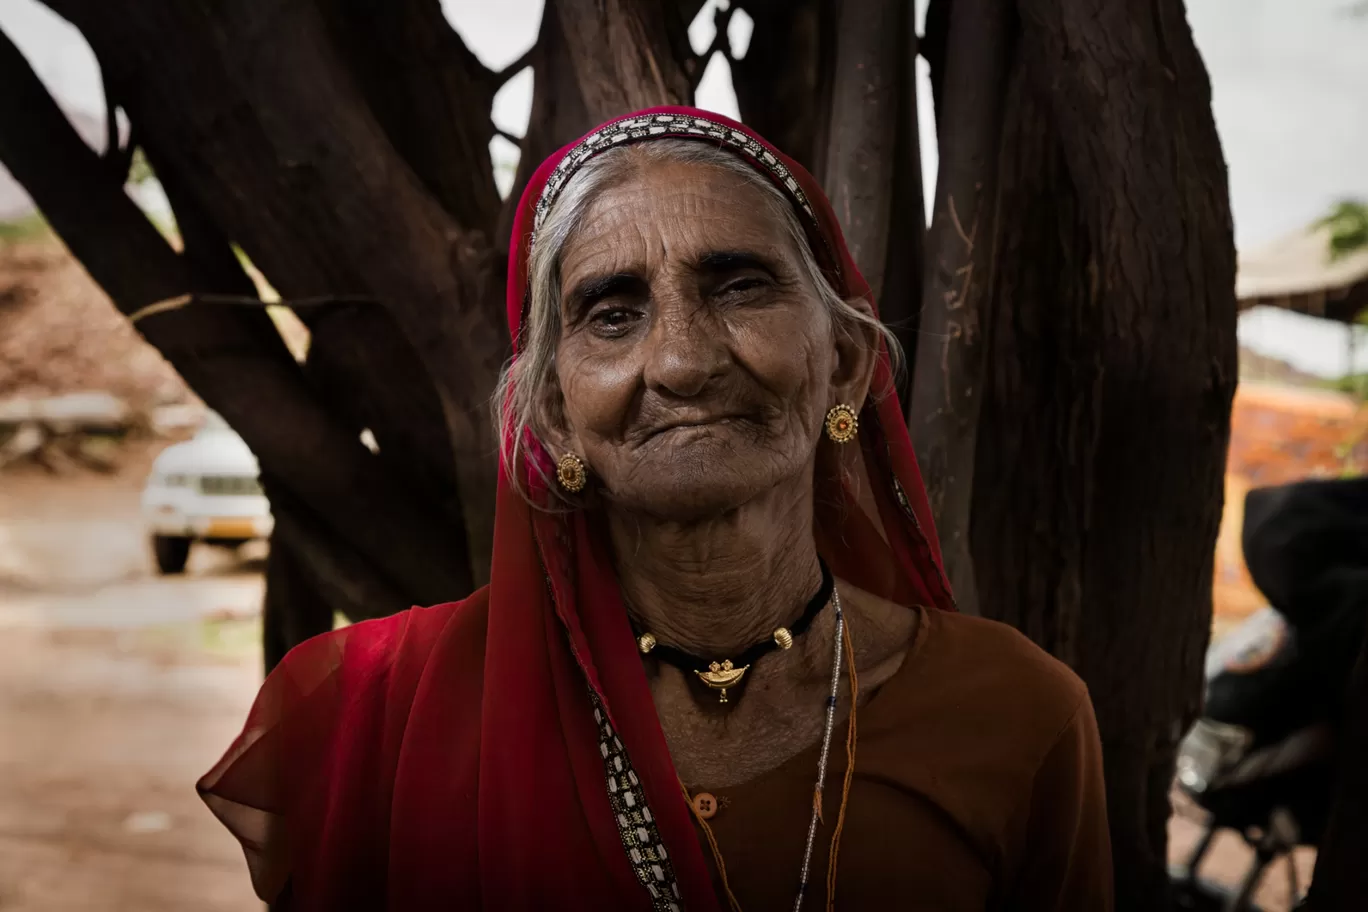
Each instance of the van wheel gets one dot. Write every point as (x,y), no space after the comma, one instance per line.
(172,552)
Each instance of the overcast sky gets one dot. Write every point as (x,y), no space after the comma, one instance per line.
(1289,83)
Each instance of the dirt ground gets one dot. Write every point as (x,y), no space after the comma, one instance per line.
(119,688)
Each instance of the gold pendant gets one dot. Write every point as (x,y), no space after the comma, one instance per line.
(720,676)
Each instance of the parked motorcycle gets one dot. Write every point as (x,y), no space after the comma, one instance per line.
(1261,760)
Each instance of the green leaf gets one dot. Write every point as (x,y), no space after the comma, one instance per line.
(1348,224)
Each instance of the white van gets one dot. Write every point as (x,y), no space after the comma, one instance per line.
(204,490)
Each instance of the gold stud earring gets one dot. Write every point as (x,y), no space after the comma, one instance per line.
(842,424)
(571,474)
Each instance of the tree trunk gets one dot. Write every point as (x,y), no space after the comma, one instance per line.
(1110,371)
(295,608)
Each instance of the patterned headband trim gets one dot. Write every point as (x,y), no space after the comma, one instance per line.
(648,126)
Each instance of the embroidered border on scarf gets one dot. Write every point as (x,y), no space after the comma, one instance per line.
(636,825)
(647,125)
(901,496)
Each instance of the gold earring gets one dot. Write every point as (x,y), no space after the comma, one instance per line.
(571,474)
(842,424)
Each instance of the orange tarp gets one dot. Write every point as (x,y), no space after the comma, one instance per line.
(1277,435)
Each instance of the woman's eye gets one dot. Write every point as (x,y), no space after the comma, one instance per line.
(739,288)
(613,320)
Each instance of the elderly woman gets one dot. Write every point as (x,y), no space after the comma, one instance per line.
(717,665)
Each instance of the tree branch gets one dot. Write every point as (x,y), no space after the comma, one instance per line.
(119,156)
(513,69)
(287,154)
(944,406)
(558,112)
(904,268)
(431,95)
(864,111)
(784,82)
(295,608)
(934,49)
(721,43)
(369,378)
(111,148)
(234,358)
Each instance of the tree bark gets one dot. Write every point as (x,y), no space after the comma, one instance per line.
(784,82)
(944,408)
(295,607)
(431,95)
(1340,883)
(1099,472)
(834,86)
(871,43)
(900,301)
(626,56)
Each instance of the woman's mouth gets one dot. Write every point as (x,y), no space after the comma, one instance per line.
(699,426)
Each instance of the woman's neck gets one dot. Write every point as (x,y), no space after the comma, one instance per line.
(713,588)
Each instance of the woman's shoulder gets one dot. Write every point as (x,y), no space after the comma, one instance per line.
(1019,763)
(994,662)
(343,694)
(969,722)
(977,695)
(368,653)
(321,743)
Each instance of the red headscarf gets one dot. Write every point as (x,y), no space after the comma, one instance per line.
(505,751)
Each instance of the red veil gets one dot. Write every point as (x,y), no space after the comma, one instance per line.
(504,752)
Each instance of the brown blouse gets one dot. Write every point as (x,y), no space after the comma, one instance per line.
(978,786)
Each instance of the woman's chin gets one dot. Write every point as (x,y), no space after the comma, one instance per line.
(692,490)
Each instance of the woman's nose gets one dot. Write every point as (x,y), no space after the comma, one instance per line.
(686,350)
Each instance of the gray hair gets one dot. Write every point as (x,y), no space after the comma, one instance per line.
(526,376)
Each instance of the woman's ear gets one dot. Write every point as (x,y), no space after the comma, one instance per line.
(857,352)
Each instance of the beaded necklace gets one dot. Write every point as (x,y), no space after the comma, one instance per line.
(724,673)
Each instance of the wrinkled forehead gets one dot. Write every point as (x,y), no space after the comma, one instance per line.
(678,213)
(646,127)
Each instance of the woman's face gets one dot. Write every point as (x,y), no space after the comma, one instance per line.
(696,362)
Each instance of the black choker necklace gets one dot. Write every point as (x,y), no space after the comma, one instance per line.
(725,673)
